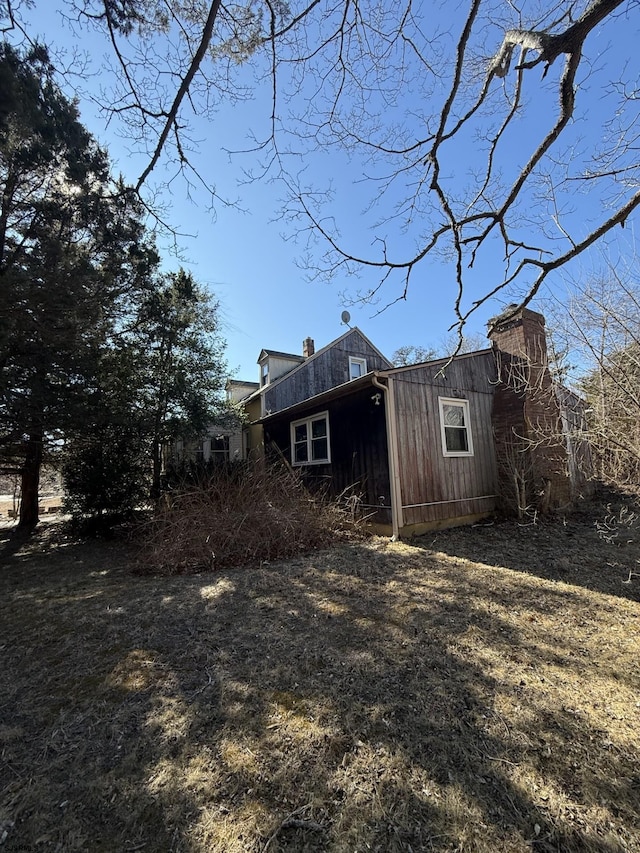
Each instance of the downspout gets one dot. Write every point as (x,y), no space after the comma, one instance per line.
(392,450)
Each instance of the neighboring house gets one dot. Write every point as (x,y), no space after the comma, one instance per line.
(223,441)
(219,444)
(251,436)
(427,445)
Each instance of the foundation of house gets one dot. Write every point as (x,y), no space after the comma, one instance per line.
(411,530)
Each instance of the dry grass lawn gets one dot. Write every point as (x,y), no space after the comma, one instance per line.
(476,690)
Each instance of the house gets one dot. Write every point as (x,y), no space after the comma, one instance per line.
(223,441)
(428,445)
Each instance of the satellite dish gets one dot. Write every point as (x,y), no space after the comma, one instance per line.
(346,317)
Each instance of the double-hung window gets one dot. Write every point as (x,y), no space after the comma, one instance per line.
(455,427)
(357,367)
(310,440)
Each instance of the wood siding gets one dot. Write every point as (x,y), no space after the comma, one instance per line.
(435,487)
(279,366)
(359,456)
(325,370)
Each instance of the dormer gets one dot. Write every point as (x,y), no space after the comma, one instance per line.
(275,364)
(238,389)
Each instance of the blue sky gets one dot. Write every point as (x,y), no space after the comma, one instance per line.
(249,255)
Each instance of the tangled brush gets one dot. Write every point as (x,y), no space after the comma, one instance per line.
(242,514)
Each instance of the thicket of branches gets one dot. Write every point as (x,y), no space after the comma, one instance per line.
(597,340)
(241,514)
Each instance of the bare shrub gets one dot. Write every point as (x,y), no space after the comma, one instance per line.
(621,527)
(242,514)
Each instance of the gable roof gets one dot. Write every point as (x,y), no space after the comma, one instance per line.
(305,361)
(302,360)
(231,383)
(432,362)
(290,356)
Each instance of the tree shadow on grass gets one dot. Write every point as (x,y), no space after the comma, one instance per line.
(355,700)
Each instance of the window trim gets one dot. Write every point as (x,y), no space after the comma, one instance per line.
(308,422)
(357,360)
(464,405)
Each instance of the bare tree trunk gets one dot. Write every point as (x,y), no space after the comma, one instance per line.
(30,483)
(157,470)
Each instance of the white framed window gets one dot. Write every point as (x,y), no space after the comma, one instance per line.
(220,447)
(455,427)
(357,367)
(264,373)
(310,440)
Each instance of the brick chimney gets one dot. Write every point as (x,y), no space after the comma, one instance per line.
(526,417)
(521,333)
(308,347)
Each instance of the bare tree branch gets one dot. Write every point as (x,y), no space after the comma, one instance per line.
(182,90)
(472,159)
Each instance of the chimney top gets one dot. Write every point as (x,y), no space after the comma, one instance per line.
(513,315)
(308,347)
(520,332)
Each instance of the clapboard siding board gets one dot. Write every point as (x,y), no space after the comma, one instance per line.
(327,369)
(442,486)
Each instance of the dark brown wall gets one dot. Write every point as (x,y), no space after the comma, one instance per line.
(359,456)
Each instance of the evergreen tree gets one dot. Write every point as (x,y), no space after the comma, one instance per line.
(161,378)
(106,458)
(72,255)
(177,334)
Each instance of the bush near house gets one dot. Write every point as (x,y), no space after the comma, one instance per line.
(239,514)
